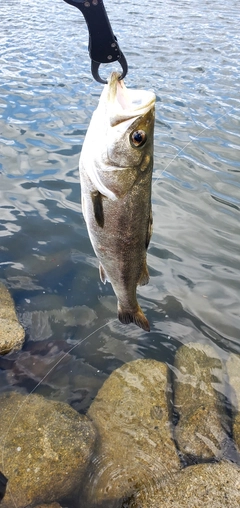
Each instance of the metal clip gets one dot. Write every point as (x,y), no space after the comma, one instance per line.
(103,46)
(95,66)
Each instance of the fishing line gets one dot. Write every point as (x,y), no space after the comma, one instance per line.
(191,141)
(39,383)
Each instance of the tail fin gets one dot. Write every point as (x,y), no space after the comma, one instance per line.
(137,317)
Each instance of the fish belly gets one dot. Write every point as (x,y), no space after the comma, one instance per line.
(120,231)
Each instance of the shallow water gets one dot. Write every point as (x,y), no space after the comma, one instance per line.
(188,53)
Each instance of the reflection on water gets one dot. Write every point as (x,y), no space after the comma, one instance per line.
(188,53)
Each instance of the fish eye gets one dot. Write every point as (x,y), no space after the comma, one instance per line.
(138,138)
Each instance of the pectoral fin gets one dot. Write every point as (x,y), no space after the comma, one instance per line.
(98,208)
(149,230)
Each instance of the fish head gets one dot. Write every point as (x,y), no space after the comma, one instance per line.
(129,123)
(119,140)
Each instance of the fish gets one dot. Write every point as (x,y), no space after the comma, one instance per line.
(116,164)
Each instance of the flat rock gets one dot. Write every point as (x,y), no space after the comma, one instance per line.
(45,448)
(135,443)
(198,384)
(201,486)
(12,333)
(233,373)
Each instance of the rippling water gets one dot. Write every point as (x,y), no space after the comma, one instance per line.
(188,53)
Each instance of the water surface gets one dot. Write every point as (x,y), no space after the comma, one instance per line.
(188,53)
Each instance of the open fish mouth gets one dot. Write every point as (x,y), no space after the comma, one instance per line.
(126,103)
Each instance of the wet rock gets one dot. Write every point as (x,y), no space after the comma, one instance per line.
(202,486)
(233,373)
(45,447)
(52,505)
(135,445)
(197,386)
(39,324)
(11,332)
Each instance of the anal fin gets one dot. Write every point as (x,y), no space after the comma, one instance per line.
(102,274)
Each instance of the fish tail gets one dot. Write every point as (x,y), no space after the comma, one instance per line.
(137,317)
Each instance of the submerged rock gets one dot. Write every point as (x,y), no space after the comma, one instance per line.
(201,486)
(198,383)
(233,373)
(11,332)
(135,445)
(52,505)
(45,447)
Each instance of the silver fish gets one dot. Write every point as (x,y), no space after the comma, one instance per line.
(116,165)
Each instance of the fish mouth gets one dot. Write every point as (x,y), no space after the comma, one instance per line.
(126,103)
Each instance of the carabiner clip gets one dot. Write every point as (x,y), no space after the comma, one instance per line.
(103,46)
(95,66)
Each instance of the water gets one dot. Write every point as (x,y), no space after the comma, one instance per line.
(188,53)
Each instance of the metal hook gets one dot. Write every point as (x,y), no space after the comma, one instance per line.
(95,66)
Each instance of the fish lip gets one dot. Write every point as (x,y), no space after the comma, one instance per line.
(127,103)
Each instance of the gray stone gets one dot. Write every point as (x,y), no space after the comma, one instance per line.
(135,443)
(233,373)
(45,448)
(201,486)
(197,386)
(11,332)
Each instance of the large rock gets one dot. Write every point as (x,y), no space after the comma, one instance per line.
(52,505)
(45,448)
(201,486)
(135,444)
(11,332)
(233,373)
(200,432)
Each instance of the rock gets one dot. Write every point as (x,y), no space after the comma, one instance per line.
(45,448)
(197,386)
(236,431)
(135,445)
(202,486)
(233,372)
(11,332)
(52,505)
(39,323)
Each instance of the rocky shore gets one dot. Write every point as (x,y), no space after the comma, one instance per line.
(155,436)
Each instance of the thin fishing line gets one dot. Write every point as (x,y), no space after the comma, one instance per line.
(191,141)
(39,383)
